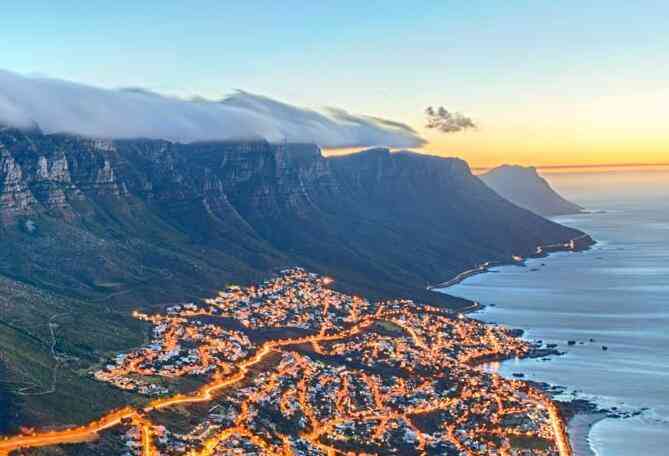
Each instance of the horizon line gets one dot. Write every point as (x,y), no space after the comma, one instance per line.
(589,166)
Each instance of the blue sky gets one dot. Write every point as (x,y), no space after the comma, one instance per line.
(511,65)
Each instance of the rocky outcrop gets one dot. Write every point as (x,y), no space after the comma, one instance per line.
(15,196)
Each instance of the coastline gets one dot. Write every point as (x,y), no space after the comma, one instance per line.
(578,244)
(579,427)
(579,416)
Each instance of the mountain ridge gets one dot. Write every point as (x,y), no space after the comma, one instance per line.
(256,206)
(104,227)
(526,188)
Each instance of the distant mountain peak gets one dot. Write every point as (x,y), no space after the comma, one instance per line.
(523,186)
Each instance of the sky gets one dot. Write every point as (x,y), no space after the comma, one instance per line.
(548,83)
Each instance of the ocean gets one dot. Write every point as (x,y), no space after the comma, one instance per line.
(617,293)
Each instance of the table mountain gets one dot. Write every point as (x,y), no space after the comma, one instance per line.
(85,216)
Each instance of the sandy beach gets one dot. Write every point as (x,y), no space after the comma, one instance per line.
(579,430)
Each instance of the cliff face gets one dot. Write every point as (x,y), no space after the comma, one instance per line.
(526,188)
(48,174)
(152,219)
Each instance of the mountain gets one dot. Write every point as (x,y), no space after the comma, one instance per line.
(526,188)
(91,229)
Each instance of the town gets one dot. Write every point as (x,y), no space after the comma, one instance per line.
(292,367)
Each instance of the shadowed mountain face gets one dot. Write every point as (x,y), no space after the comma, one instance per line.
(88,217)
(524,187)
(90,229)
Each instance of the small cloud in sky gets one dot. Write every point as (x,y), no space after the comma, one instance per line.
(445,121)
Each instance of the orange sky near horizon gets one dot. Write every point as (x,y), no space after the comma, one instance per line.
(545,168)
(558,130)
(551,149)
(621,127)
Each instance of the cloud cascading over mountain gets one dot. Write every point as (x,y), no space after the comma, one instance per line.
(59,106)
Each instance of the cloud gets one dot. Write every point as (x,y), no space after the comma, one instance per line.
(447,122)
(59,106)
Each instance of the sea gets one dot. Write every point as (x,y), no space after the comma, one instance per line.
(616,294)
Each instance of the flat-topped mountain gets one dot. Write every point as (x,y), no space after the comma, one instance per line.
(524,187)
(80,212)
(90,229)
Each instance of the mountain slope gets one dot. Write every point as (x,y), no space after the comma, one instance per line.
(104,227)
(154,220)
(526,188)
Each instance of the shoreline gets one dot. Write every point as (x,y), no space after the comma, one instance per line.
(579,427)
(578,244)
(579,415)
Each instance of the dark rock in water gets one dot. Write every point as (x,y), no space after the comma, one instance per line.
(543,352)
(551,345)
(584,406)
(571,342)
(516,332)
(605,348)
(540,385)
(581,343)
(592,340)
(518,374)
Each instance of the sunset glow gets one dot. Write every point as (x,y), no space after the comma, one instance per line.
(428,228)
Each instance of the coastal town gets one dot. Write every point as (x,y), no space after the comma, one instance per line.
(291,366)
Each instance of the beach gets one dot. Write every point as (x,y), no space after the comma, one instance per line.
(579,427)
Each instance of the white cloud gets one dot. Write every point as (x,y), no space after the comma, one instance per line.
(59,106)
